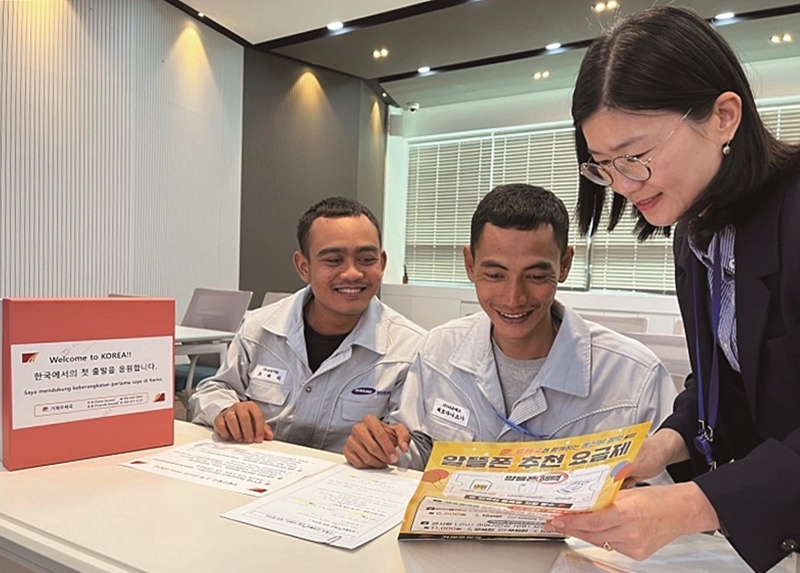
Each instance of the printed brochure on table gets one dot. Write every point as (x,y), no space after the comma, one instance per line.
(510,489)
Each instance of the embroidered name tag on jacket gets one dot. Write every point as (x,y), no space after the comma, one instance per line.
(451,412)
(269,374)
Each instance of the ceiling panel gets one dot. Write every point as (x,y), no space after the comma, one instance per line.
(473,31)
(486,82)
(752,39)
(464,32)
(261,20)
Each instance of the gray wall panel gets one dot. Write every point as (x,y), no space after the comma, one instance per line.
(303,139)
(372,151)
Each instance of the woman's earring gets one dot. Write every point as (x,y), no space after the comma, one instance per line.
(726,149)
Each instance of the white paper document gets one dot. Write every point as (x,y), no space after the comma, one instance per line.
(243,468)
(57,382)
(343,506)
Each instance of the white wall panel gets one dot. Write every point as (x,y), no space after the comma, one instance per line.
(120,150)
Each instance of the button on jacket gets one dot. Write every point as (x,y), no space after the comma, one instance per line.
(593,379)
(267,363)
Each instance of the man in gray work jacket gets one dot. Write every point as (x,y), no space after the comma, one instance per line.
(308,367)
(527,367)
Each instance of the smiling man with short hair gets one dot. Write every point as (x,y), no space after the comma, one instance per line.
(527,367)
(307,368)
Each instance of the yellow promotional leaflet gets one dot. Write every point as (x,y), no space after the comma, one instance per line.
(510,489)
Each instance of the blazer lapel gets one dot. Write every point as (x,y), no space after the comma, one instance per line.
(685,267)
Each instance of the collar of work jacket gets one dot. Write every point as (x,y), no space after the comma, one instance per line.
(371,332)
(566,369)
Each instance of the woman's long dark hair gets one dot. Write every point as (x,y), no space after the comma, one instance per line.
(670,59)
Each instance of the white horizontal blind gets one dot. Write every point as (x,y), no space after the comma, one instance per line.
(620,262)
(784,121)
(447,179)
(545,158)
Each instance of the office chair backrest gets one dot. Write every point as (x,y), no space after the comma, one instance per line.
(217,309)
(671,349)
(270,297)
(619,323)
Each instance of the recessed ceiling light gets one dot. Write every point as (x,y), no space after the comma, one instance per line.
(605,6)
(724,16)
(781,38)
(333,26)
(541,75)
(384,52)
(201,15)
(383,94)
(424,69)
(553,46)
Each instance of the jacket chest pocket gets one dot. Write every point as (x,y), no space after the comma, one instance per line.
(355,410)
(267,392)
(442,431)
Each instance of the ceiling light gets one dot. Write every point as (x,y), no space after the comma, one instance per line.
(724,16)
(201,15)
(553,46)
(541,75)
(383,94)
(605,6)
(781,39)
(384,52)
(424,69)
(333,26)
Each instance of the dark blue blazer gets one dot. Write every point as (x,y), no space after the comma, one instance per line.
(757,498)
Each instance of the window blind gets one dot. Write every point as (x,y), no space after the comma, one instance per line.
(448,177)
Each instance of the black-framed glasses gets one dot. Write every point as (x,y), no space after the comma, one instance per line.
(628,166)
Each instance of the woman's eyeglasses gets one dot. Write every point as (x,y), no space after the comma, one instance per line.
(628,166)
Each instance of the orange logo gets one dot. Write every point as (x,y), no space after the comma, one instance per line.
(29,357)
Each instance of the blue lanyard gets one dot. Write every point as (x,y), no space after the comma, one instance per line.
(706,420)
(517,427)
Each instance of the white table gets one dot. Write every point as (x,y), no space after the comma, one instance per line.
(95,516)
(193,341)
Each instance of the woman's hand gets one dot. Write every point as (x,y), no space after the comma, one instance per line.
(642,520)
(663,448)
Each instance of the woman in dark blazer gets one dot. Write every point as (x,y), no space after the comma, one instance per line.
(665,118)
